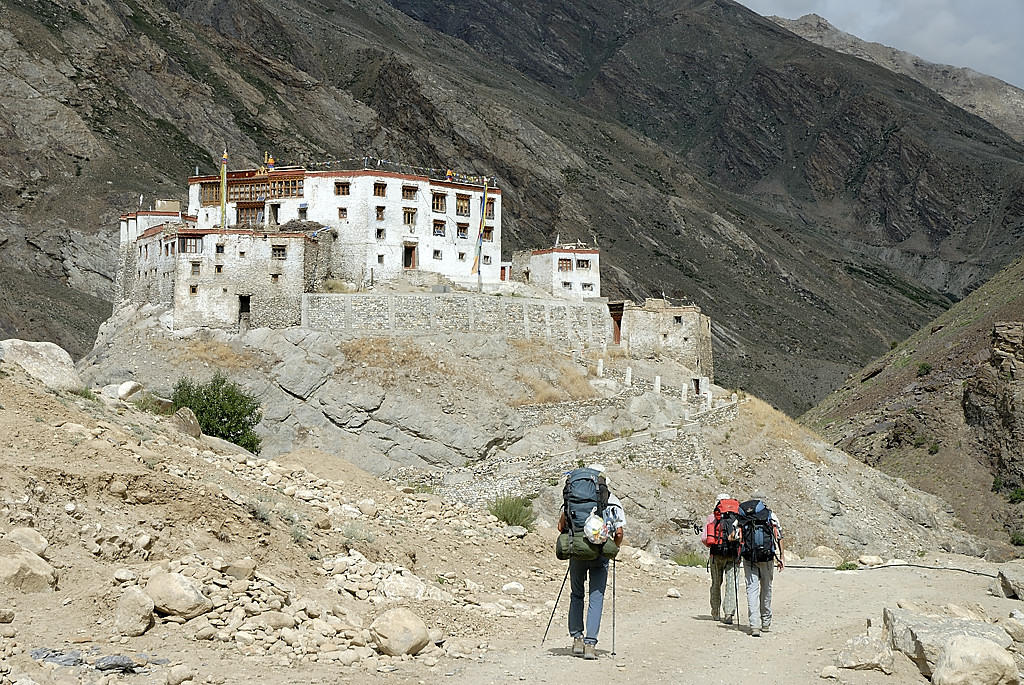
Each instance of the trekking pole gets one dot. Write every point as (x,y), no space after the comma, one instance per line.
(736,594)
(555,608)
(613,607)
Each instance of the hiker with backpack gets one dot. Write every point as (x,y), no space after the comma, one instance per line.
(591,523)
(722,536)
(762,544)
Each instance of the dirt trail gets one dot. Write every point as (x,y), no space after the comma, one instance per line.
(663,640)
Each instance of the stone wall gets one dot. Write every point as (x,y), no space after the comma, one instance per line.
(555,321)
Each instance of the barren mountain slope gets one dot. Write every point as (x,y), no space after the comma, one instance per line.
(815,207)
(991,99)
(941,408)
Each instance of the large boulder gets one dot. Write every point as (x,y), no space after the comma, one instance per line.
(969,660)
(44,361)
(134,613)
(922,637)
(23,570)
(176,595)
(399,631)
(29,538)
(186,421)
(1011,578)
(866,653)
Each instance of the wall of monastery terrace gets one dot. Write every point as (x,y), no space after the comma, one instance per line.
(515,318)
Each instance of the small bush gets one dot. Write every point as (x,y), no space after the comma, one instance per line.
(1017,496)
(1017,539)
(513,510)
(848,566)
(933,448)
(153,405)
(893,344)
(919,441)
(689,559)
(259,511)
(299,534)
(923,369)
(84,392)
(997,484)
(223,409)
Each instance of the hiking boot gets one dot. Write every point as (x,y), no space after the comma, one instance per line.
(715,616)
(589,652)
(755,632)
(727,620)
(766,627)
(577,646)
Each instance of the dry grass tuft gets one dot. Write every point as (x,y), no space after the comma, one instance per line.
(575,383)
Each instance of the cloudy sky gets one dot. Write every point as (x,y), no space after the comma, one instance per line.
(984,35)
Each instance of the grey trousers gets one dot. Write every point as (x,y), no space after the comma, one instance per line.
(759,591)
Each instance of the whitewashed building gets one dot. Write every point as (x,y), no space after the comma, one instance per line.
(570,271)
(386,223)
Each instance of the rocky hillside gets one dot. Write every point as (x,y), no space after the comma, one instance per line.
(996,101)
(942,408)
(814,206)
(136,550)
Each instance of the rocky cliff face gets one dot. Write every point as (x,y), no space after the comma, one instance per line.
(993,404)
(815,207)
(995,101)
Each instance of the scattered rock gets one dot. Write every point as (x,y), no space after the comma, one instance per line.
(969,660)
(29,538)
(866,653)
(176,595)
(23,570)
(179,674)
(399,631)
(187,422)
(134,613)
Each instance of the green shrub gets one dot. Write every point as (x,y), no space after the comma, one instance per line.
(919,441)
(1017,496)
(689,559)
(933,448)
(923,369)
(84,392)
(848,566)
(223,409)
(997,484)
(513,510)
(1017,539)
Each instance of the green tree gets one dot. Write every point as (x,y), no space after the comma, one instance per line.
(223,409)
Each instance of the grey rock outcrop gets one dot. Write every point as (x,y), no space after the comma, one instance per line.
(866,653)
(922,637)
(44,361)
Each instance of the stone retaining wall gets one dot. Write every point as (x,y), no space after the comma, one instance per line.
(554,321)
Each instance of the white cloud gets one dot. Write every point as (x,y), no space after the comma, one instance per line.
(981,34)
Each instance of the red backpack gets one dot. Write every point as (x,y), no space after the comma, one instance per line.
(724,523)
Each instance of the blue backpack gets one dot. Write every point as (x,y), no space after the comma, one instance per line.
(585,490)
(758,532)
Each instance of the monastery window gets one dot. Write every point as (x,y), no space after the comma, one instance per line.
(145,251)
(193,289)
(341,188)
(380,189)
(462,231)
(565,265)
(487,259)
(278,252)
(587,286)
(241,254)
(409,216)
(462,256)
(462,205)
(439,228)
(489,212)
(302,213)
(343,212)
(220,248)
(678,320)
(274,278)
(380,259)
(380,234)
(439,203)
(195,268)
(219,268)
(582,263)
(248,215)
(190,245)
(380,214)
(437,254)
(209,193)
(408,192)
(288,187)
(567,285)
(488,233)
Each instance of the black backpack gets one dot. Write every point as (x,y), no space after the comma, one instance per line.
(585,491)
(758,532)
(724,527)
